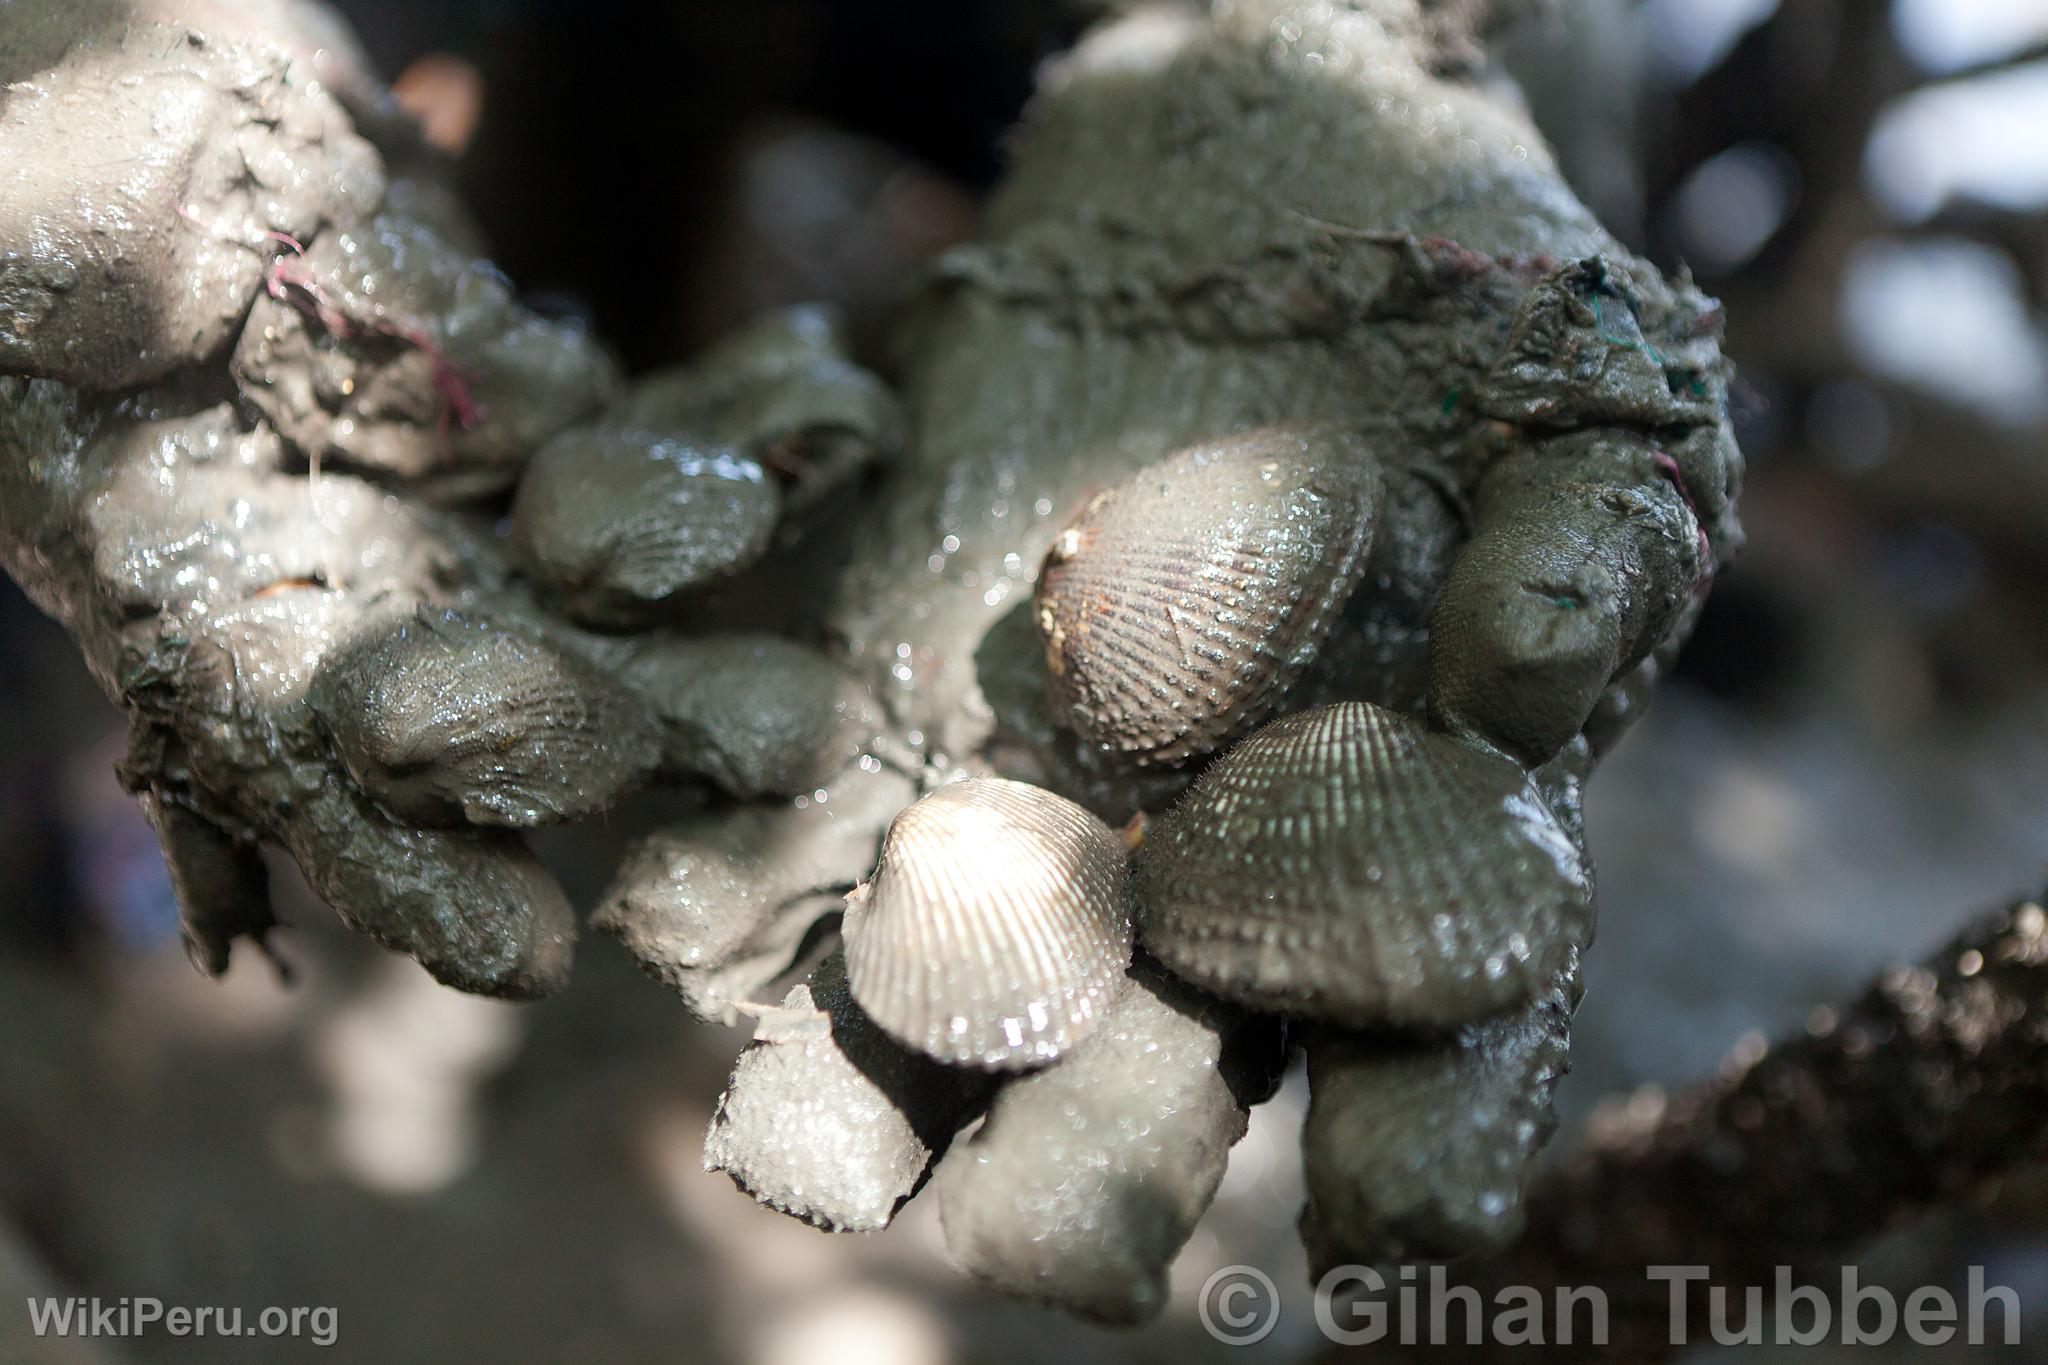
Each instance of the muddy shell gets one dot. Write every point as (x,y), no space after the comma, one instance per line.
(448,719)
(1348,864)
(618,523)
(1182,603)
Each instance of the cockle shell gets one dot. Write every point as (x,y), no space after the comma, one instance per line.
(997,926)
(1346,863)
(619,522)
(448,719)
(1182,603)
(756,714)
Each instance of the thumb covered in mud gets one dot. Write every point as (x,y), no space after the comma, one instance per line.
(1606,506)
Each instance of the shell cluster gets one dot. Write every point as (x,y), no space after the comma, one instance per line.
(1182,603)
(1348,864)
(997,926)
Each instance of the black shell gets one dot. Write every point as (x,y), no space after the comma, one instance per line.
(1346,863)
(997,927)
(1183,602)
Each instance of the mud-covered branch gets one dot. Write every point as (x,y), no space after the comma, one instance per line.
(1929,1085)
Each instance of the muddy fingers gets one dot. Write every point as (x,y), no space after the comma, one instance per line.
(719,907)
(141,227)
(1606,509)
(1087,1177)
(1307,475)
(829,1120)
(1582,560)
(475,908)
(223,889)
(1417,1146)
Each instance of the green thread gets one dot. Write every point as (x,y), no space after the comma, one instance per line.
(1664,362)
(1600,330)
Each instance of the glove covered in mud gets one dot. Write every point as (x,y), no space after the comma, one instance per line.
(1293,517)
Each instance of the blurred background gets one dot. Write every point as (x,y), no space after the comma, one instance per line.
(1852,756)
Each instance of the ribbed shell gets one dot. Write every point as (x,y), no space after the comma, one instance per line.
(1348,864)
(619,523)
(1184,601)
(996,929)
(448,720)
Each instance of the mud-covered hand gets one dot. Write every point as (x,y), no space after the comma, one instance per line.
(1361,484)
(251,368)
(1294,462)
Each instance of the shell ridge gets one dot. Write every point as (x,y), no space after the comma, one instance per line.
(996,904)
(1348,864)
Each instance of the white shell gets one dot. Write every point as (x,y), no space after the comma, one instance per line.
(996,929)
